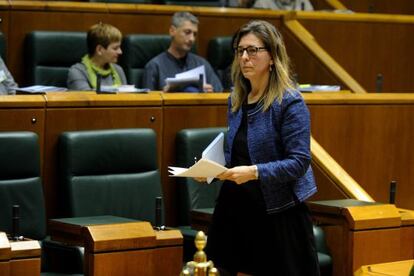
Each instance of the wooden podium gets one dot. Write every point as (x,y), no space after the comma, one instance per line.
(19,257)
(359,233)
(121,248)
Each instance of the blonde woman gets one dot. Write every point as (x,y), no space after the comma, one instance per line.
(260,224)
(104,48)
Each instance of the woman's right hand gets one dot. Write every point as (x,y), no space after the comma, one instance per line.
(200,179)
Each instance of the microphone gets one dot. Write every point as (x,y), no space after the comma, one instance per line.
(98,83)
(158,214)
(379,83)
(15,223)
(393,190)
(201,83)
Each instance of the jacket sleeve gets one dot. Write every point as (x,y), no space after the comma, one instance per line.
(151,76)
(295,138)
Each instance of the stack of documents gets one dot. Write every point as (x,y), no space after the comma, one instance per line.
(39,89)
(203,168)
(122,89)
(187,78)
(209,166)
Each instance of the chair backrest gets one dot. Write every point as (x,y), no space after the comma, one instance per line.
(50,54)
(220,55)
(2,47)
(190,143)
(21,184)
(110,172)
(137,51)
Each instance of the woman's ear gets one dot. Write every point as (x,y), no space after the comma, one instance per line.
(98,49)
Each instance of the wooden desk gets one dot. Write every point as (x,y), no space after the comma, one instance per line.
(119,246)
(359,233)
(401,268)
(19,257)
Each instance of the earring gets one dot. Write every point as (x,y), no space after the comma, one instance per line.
(270,68)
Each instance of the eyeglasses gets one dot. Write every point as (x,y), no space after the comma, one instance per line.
(251,50)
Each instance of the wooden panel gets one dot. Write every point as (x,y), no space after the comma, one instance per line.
(128,263)
(119,236)
(407,242)
(4,268)
(72,119)
(307,68)
(372,143)
(168,260)
(326,188)
(359,44)
(4,25)
(380,6)
(375,246)
(27,267)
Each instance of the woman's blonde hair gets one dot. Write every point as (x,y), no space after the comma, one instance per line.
(280,79)
(102,34)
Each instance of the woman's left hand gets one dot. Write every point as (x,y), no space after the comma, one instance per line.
(239,174)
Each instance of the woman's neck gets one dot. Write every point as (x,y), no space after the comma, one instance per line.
(98,62)
(257,91)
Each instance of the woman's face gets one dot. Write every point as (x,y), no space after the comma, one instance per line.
(254,59)
(111,53)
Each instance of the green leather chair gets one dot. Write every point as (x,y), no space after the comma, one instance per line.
(190,143)
(220,55)
(109,172)
(138,49)
(21,184)
(324,257)
(49,54)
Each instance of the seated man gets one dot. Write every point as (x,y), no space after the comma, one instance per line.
(7,83)
(104,48)
(178,58)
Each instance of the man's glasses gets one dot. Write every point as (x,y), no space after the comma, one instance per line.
(251,50)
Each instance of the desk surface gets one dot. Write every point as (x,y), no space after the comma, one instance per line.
(391,269)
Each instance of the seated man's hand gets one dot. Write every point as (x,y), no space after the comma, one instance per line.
(207,88)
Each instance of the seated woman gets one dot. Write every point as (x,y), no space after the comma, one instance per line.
(7,84)
(104,48)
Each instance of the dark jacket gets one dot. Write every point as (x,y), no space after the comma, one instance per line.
(279,144)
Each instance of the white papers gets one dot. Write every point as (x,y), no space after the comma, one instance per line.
(215,152)
(209,166)
(203,168)
(193,73)
(39,89)
(319,88)
(187,78)
(122,89)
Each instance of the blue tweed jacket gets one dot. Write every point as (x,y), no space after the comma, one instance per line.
(279,144)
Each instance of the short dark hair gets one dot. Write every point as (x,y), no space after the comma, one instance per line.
(179,17)
(102,34)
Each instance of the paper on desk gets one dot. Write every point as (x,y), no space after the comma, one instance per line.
(203,168)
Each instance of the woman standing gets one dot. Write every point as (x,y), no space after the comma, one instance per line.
(260,224)
(104,48)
